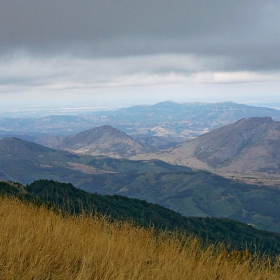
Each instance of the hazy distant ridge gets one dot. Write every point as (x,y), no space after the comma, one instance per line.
(167,119)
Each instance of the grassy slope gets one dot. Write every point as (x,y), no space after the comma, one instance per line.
(37,243)
(235,234)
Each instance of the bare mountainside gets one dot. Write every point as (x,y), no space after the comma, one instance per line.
(248,147)
(103,140)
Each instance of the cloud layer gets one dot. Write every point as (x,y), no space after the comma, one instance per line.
(59,44)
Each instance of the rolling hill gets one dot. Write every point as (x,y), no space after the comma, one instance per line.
(24,162)
(103,140)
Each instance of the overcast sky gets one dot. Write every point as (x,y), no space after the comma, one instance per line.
(93,52)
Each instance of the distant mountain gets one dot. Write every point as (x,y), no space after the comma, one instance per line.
(234,234)
(172,119)
(24,162)
(165,119)
(248,147)
(103,140)
(191,193)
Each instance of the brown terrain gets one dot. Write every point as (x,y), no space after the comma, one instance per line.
(247,150)
(103,140)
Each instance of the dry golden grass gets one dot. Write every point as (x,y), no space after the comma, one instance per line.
(37,243)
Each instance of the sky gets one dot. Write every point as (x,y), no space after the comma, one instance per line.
(69,53)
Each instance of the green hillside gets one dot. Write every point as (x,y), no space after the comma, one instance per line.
(197,193)
(235,234)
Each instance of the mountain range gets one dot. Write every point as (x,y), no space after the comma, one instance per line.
(247,148)
(191,193)
(165,119)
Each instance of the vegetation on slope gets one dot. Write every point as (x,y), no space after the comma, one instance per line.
(233,234)
(37,243)
(197,193)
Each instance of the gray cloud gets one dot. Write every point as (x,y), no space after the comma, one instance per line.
(47,22)
(69,43)
(114,28)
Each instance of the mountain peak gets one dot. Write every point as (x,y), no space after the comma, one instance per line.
(221,146)
(248,147)
(102,140)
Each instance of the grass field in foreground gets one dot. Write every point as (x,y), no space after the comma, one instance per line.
(36,243)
